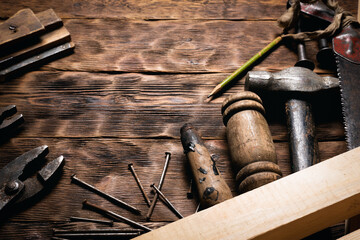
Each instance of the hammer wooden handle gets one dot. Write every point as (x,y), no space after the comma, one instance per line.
(212,188)
(251,146)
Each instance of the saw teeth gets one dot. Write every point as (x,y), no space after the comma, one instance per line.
(342,100)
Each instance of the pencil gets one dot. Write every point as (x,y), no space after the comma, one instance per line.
(245,66)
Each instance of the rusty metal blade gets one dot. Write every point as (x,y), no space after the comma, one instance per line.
(36,184)
(349,75)
(347,52)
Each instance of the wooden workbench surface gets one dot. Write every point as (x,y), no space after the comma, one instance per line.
(140,70)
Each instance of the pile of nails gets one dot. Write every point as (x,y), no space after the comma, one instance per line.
(112,232)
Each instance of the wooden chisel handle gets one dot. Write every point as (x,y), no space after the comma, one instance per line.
(211,187)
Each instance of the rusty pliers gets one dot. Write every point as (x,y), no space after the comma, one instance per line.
(16,183)
(9,120)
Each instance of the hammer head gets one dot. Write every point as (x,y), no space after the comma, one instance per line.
(293,79)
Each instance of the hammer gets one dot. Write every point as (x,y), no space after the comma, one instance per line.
(299,83)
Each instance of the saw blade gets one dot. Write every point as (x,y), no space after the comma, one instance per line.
(347,53)
(349,74)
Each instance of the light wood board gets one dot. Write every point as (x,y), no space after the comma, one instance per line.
(290,208)
(351,236)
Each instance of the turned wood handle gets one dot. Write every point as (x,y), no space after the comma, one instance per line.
(212,188)
(250,143)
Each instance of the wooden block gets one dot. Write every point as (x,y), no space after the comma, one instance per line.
(37,59)
(34,46)
(23,24)
(49,19)
(290,208)
(46,41)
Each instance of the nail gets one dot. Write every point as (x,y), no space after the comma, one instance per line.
(189,194)
(80,219)
(166,201)
(197,208)
(13,28)
(153,203)
(105,195)
(114,215)
(131,168)
(105,230)
(58,238)
(96,235)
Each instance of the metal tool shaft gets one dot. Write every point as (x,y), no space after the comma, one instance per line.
(80,219)
(303,144)
(101,230)
(96,235)
(162,178)
(147,200)
(303,61)
(105,195)
(115,216)
(167,202)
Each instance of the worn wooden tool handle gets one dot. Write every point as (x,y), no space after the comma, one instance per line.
(251,146)
(211,187)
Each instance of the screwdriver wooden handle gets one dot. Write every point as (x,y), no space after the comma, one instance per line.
(211,187)
(251,146)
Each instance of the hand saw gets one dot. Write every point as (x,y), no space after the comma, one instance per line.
(346,46)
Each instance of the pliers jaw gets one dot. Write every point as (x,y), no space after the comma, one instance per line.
(9,120)
(15,185)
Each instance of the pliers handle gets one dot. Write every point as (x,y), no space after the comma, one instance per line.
(9,119)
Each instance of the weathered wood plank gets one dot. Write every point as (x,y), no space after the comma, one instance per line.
(66,104)
(103,163)
(45,42)
(100,122)
(50,38)
(179,46)
(49,19)
(23,25)
(160,9)
(289,208)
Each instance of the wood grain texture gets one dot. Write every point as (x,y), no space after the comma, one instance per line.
(178,46)
(44,42)
(211,186)
(250,142)
(113,155)
(351,236)
(49,19)
(65,104)
(140,70)
(290,208)
(23,25)
(160,9)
